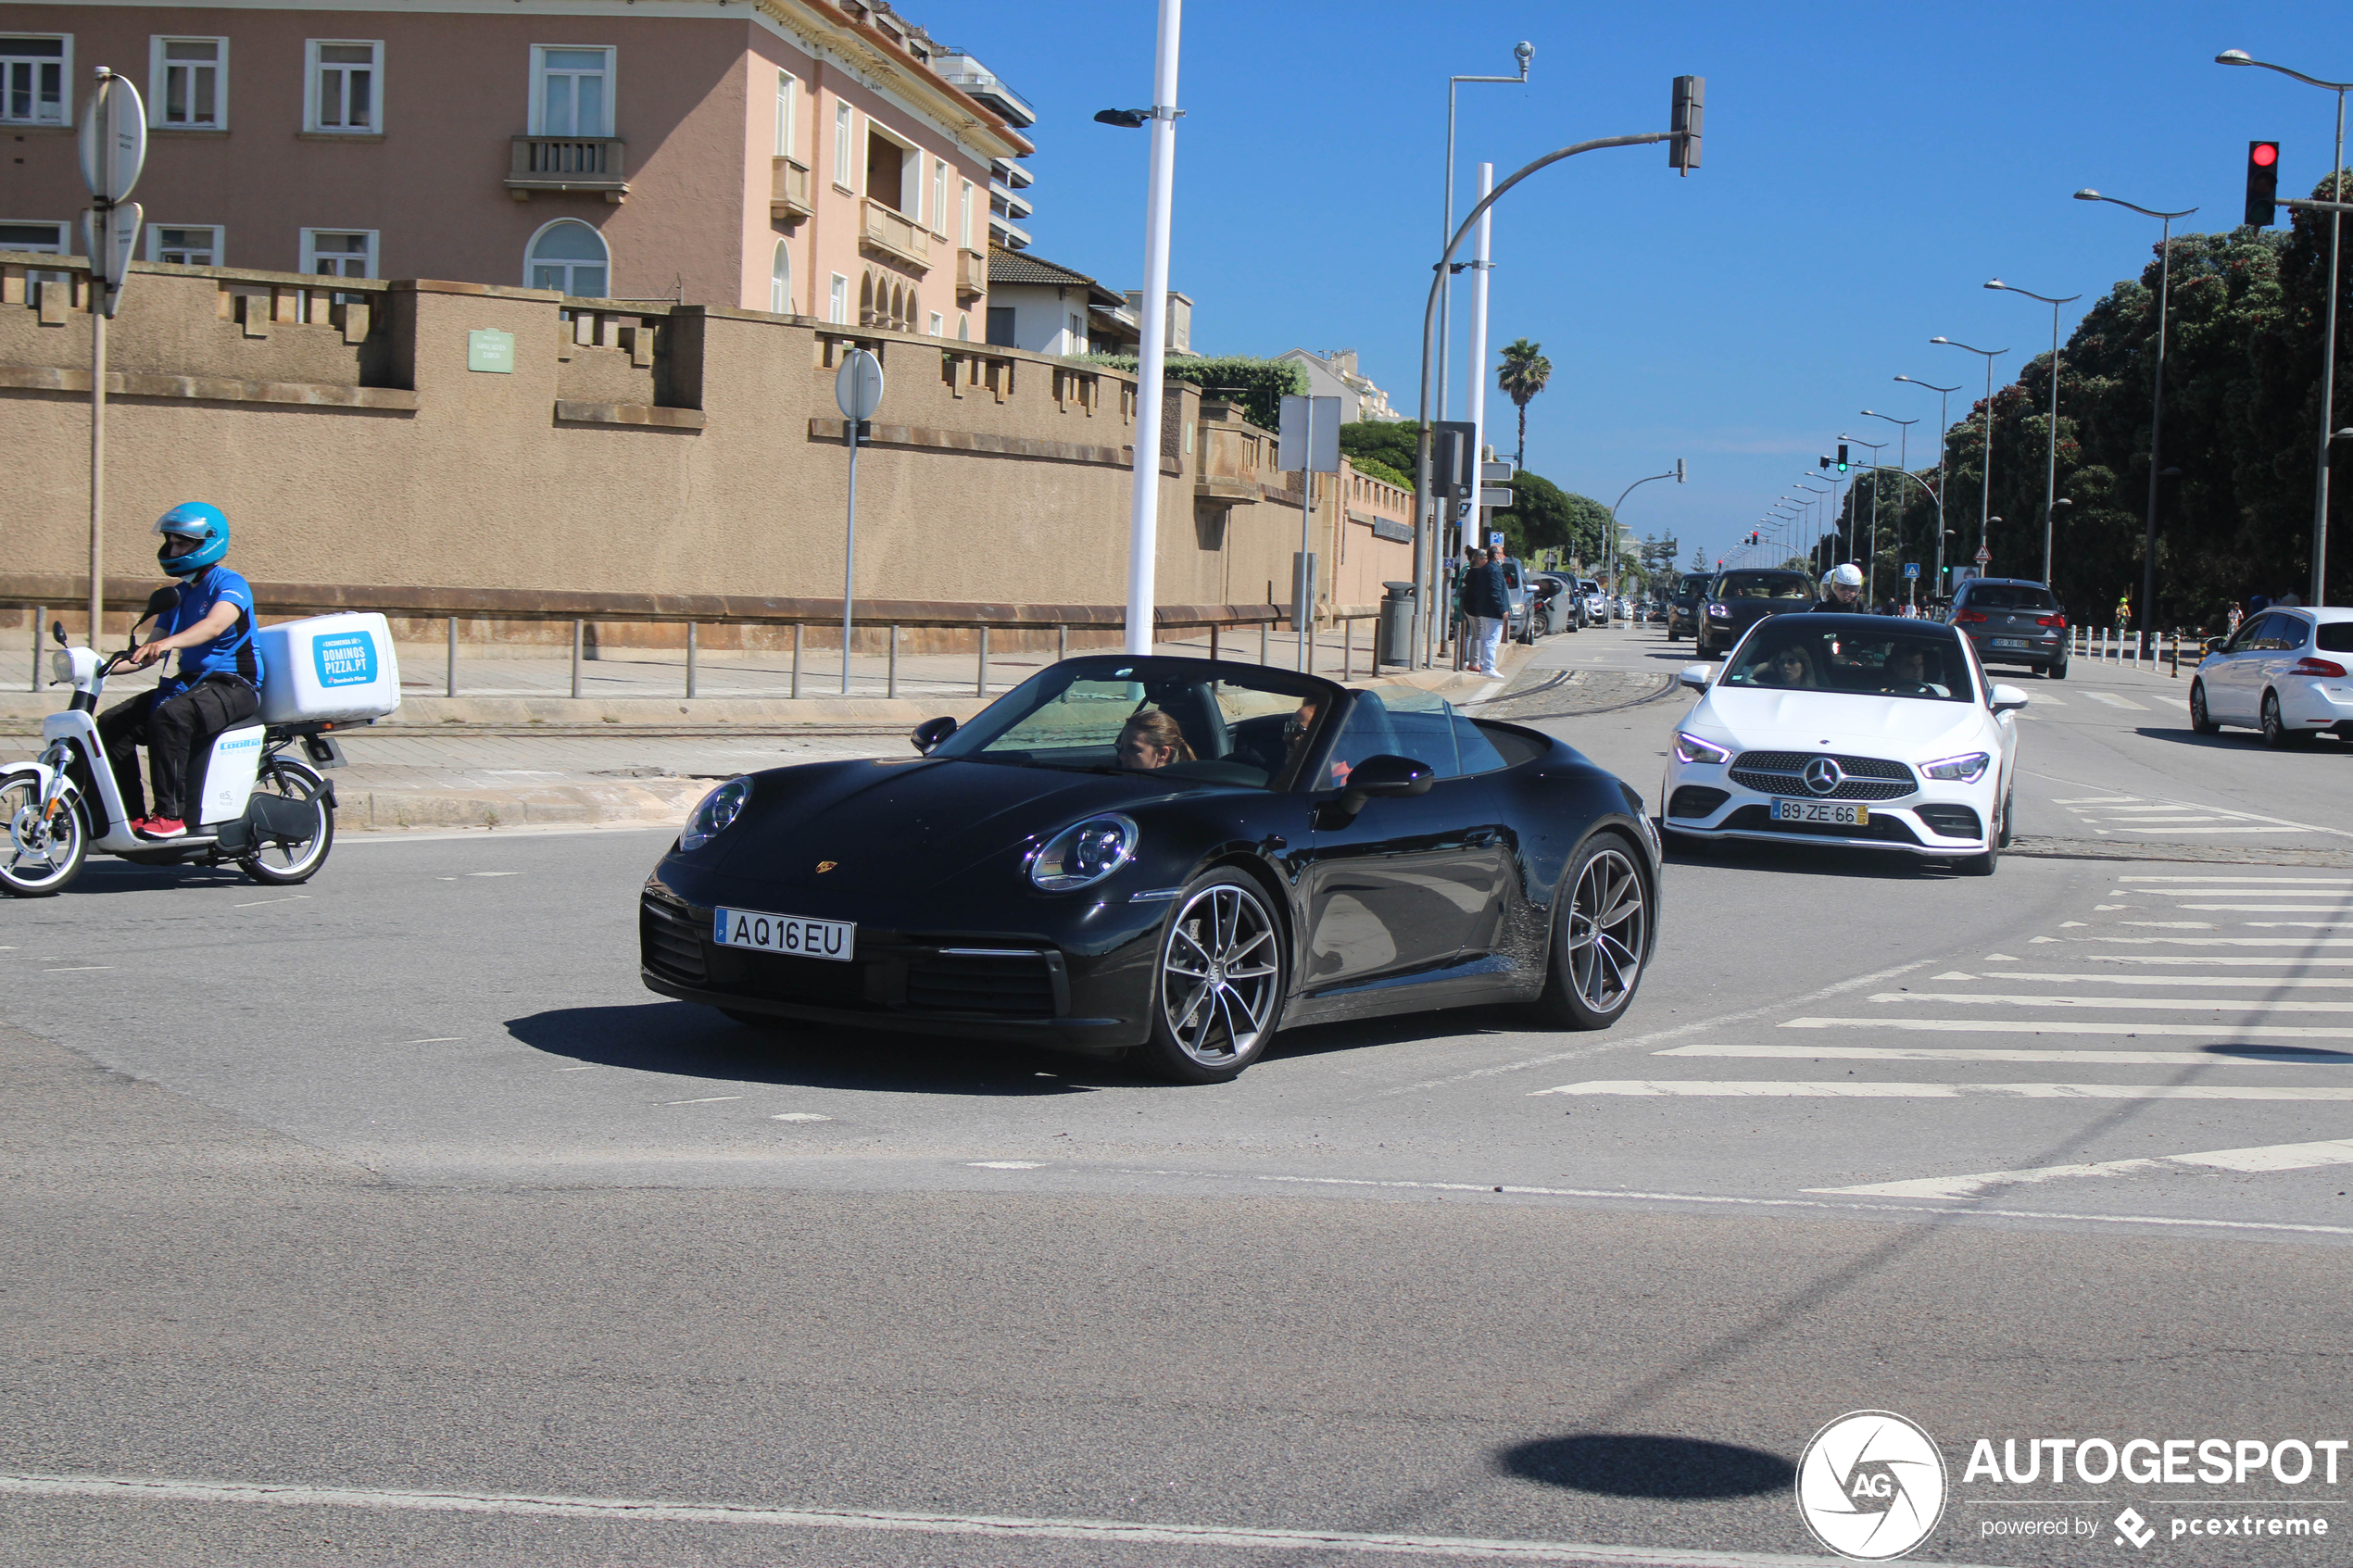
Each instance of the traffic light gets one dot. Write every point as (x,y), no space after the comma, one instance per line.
(1684,119)
(1842,456)
(1826,462)
(2262,183)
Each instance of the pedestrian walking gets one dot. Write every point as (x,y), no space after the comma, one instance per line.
(2234,619)
(1487,603)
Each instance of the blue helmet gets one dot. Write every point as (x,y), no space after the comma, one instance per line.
(200,521)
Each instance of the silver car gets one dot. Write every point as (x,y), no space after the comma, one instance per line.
(2012,620)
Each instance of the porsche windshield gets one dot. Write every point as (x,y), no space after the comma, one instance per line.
(1800,653)
(1179,720)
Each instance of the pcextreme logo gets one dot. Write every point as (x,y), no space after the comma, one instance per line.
(1871,1486)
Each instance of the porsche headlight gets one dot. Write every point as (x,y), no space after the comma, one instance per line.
(1689,747)
(719,809)
(1719,611)
(1959,770)
(1085,853)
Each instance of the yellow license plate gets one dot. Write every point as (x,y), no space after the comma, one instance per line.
(1833,813)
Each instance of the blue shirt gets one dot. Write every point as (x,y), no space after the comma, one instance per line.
(234,652)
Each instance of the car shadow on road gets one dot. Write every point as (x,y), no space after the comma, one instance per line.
(2229,740)
(1870,865)
(696,1042)
(1642,1464)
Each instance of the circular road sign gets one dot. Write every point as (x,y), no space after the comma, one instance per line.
(114,138)
(858,386)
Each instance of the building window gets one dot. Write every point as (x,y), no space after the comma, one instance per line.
(571,91)
(1000,325)
(939,197)
(340,253)
(780,282)
(938,326)
(788,91)
(188,84)
(838,301)
(841,143)
(570,258)
(33,79)
(184,246)
(346,86)
(963,328)
(964,217)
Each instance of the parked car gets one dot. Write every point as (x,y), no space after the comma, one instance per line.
(1319,855)
(2012,620)
(1596,602)
(1736,600)
(2285,674)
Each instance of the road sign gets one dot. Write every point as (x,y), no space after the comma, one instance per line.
(114,139)
(1495,496)
(858,385)
(1498,472)
(1984,556)
(1495,538)
(1303,426)
(110,237)
(1911,569)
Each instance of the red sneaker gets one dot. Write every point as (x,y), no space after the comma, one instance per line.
(160,827)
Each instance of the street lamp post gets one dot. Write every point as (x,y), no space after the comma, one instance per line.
(1985,488)
(1902,458)
(1816,543)
(2328,351)
(1871,548)
(2157,408)
(1524,51)
(2050,470)
(1943,440)
(1610,554)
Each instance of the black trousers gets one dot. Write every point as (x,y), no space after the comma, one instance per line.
(171,730)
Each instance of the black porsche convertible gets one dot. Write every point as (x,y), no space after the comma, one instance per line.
(1172,857)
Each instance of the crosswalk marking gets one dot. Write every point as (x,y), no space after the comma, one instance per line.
(2079,1026)
(2267,1157)
(2298,942)
(1746,1088)
(2111,1004)
(2289,1056)
(2115,701)
(2299,962)
(2165,980)
(2245,881)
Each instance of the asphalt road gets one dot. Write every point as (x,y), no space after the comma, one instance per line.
(391,1216)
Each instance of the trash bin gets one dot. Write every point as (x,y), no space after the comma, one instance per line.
(1397,624)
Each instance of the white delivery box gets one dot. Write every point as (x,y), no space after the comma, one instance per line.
(328,668)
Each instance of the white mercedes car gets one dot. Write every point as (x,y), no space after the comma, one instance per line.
(1866,731)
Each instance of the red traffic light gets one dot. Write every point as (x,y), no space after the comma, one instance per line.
(2264,154)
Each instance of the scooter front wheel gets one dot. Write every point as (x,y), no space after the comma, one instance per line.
(44,852)
(278,863)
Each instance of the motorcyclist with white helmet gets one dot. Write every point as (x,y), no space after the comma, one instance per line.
(218,684)
(1845,595)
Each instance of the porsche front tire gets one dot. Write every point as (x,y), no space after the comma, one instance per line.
(1217,989)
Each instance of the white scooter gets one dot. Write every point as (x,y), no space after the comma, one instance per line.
(273,816)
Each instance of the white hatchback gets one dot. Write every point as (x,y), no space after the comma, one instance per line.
(1866,731)
(2285,674)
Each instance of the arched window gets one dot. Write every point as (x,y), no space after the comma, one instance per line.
(780,282)
(570,257)
(963,328)
(898,307)
(866,300)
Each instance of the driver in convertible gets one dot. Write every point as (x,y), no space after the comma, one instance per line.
(217,686)
(1151,740)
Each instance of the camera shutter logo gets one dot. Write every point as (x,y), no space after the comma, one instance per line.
(1871,1486)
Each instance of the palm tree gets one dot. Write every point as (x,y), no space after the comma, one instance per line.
(1522,376)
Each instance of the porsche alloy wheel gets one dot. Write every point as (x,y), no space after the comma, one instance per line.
(1600,937)
(1220,984)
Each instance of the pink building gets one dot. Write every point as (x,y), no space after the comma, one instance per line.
(814,158)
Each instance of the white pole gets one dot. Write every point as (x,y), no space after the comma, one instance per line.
(1478,350)
(849,560)
(1143,518)
(1303,612)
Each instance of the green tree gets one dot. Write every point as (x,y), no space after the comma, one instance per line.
(1523,374)
(1258,384)
(1544,516)
(1658,554)
(1395,442)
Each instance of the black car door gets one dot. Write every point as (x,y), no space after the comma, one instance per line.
(1406,884)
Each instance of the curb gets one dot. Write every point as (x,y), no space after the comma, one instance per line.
(647,800)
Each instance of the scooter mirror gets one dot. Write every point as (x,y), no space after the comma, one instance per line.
(58,630)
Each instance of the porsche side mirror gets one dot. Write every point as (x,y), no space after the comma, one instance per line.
(2009,698)
(1695,677)
(931,732)
(1385,775)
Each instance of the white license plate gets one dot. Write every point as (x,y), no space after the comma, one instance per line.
(789,935)
(1840,814)
(2011,643)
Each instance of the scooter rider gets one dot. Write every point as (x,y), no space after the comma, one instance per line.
(1845,595)
(217,686)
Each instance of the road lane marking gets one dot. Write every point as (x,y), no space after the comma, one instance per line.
(2168,980)
(2192,806)
(2262,1159)
(707,1099)
(494,873)
(1108,1532)
(1751,1088)
(799,1116)
(290,899)
(436,1040)
(2236,881)
(2111,1004)
(2283,961)
(2073,1026)
(2296,942)
(2338,908)
(2095,800)
(77,969)
(2284,1056)
(1007,1165)
(2115,701)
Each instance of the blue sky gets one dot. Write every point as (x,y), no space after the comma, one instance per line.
(1867,170)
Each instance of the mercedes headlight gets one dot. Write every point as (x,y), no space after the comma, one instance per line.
(719,809)
(1689,747)
(1959,770)
(1085,853)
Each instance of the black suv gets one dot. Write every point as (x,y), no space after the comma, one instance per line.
(2012,620)
(1738,599)
(1682,608)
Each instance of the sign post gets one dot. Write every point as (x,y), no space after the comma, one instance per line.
(1309,442)
(114,149)
(858,389)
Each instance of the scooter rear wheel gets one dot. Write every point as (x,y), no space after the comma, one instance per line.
(34,862)
(283,865)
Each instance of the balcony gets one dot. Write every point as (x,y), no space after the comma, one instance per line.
(892,234)
(972,275)
(788,190)
(567,163)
